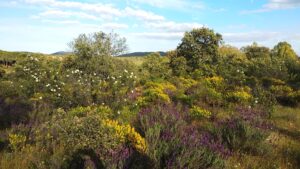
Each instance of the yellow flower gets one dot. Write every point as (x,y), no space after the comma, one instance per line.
(198,112)
(127,134)
(16,141)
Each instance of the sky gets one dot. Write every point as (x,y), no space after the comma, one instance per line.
(48,26)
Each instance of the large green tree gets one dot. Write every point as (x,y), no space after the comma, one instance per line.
(284,50)
(98,44)
(199,46)
(255,51)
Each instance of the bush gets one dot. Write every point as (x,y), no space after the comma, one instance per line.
(156,93)
(88,132)
(16,141)
(240,95)
(172,143)
(199,113)
(240,137)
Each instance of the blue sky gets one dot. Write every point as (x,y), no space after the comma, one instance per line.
(48,26)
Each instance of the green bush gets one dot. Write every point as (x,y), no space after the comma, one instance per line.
(199,113)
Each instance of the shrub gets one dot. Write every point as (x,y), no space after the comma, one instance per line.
(280,90)
(88,132)
(127,134)
(156,93)
(240,137)
(198,113)
(172,143)
(240,95)
(16,141)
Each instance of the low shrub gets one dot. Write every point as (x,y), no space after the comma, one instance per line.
(199,113)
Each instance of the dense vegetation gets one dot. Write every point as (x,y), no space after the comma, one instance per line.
(204,105)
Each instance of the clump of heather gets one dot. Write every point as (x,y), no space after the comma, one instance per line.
(174,143)
(237,135)
(253,117)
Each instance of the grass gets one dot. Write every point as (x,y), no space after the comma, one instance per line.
(284,142)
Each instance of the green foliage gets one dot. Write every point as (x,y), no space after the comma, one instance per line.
(155,93)
(178,64)
(240,137)
(172,143)
(284,50)
(98,44)
(240,95)
(199,46)
(16,141)
(198,113)
(256,52)
(155,67)
(78,111)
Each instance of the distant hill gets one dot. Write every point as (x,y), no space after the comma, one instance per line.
(142,54)
(61,53)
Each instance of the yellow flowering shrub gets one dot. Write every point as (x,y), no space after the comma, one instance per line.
(198,112)
(214,82)
(156,92)
(281,90)
(242,94)
(16,141)
(185,83)
(127,134)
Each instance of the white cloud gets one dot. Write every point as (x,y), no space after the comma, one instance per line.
(102,9)
(66,14)
(143,15)
(61,22)
(170,26)
(104,26)
(105,11)
(250,36)
(173,4)
(275,5)
(113,26)
(282,4)
(160,35)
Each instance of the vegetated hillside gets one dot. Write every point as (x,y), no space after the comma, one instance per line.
(62,53)
(141,54)
(205,105)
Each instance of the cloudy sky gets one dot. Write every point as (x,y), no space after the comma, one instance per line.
(149,25)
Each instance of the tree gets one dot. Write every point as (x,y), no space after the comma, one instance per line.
(98,44)
(177,63)
(284,50)
(256,52)
(199,46)
(155,67)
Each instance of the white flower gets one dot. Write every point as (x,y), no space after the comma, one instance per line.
(125,71)
(41,98)
(119,112)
